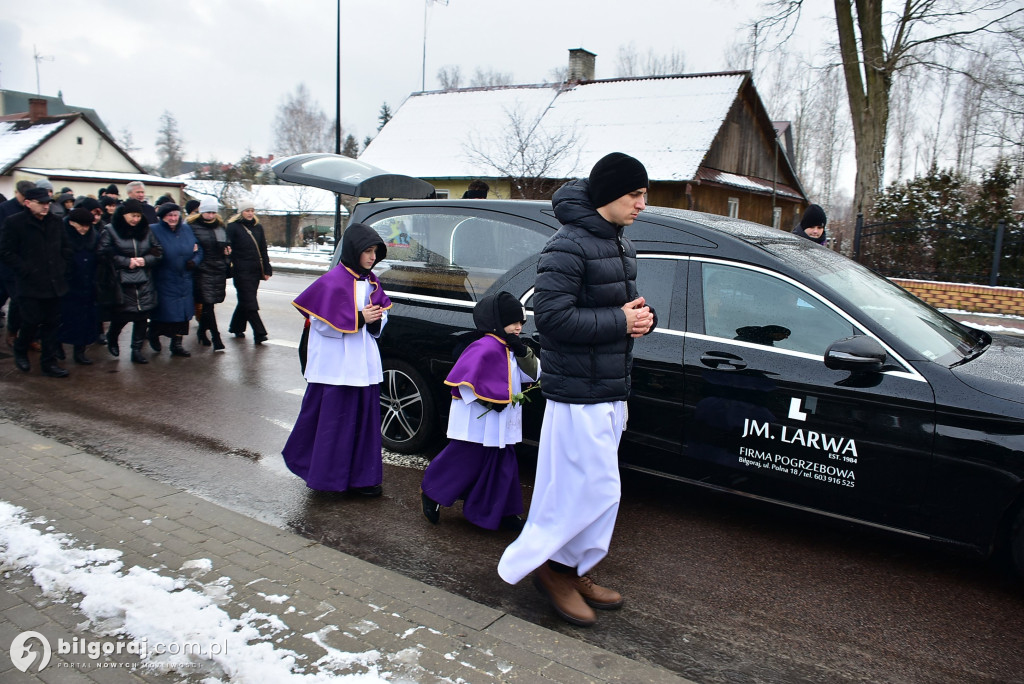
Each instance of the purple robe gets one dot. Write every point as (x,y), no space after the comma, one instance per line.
(486,478)
(332,298)
(485,368)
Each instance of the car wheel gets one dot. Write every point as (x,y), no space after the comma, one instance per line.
(407,416)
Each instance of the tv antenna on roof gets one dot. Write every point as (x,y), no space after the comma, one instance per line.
(423,73)
(39,58)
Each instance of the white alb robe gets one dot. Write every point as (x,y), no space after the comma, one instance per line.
(470,421)
(337,358)
(576,492)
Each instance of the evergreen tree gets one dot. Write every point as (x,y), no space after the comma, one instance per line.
(351,147)
(384,116)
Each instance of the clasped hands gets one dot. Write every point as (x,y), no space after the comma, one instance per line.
(639,318)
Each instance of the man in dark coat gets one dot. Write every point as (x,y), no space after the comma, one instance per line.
(35,246)
(588,311)
(8,281)
(137,191)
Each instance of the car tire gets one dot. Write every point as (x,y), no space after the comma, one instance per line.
(408,420)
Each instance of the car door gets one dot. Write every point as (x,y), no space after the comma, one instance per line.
(765,416)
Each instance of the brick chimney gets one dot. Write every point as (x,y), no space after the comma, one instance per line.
(36,108)
(581,65)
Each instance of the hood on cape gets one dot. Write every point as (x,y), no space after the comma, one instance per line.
(487,314)
(357,238)
(572,205)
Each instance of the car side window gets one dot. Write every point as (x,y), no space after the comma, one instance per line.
(451,255)
(750,306)
(654,281)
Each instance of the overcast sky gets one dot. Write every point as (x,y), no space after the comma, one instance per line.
(222,67)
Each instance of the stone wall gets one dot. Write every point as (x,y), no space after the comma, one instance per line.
(974,298)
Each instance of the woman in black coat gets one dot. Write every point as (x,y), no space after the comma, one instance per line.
(131,250)
(79,316)
(250,265)
(210,277)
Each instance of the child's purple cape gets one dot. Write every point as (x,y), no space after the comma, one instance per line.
(486,369)
(332,298)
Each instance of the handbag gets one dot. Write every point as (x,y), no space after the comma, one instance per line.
(135,276)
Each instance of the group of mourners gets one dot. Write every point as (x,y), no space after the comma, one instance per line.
(587,311)
(107,261)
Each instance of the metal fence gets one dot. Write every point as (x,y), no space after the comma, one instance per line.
(942,251)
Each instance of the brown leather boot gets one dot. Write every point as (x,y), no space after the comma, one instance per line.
(597,596)
(561,592)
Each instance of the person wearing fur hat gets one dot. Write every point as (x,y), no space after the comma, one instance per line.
(588,312)
(336,442)
(479,464)
(210,277)
(173,279)
(250,265)
(130,250)
(812,225)
(79,316)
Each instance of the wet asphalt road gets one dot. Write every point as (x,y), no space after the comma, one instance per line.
(718,590)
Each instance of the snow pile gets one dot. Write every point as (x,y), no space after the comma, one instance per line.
(178,613)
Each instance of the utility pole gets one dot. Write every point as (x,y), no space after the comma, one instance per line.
(423,70)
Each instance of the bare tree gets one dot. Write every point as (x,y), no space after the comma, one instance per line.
(450,77)
(127,141)
(875,45)
(490,78)
(534,159)
(170,148)
(301,126)
(970,97)
(631,63)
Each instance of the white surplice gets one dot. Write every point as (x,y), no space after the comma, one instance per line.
(337,358)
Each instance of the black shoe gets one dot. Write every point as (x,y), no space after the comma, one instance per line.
(375,490)
(218,345)
(177,349)
(21,361)
(238,334)
(54,371)
(101,339)
(154,342)
(80,358)
(202,338)
(511,522)
(137,357)
(113,347)
(261,339)
(60,352)
(431,509)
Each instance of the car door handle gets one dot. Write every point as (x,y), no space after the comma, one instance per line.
(723,361)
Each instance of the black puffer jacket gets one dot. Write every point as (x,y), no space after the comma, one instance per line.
(212,273)
(134,289)
(586,272)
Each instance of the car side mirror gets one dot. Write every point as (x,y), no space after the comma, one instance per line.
(859,354)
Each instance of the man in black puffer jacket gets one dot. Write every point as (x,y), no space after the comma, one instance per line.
(588,312)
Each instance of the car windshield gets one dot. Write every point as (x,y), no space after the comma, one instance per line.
(925,330)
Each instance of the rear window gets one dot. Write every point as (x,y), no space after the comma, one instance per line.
(451,255)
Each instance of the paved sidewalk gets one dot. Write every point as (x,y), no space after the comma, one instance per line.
(329,605)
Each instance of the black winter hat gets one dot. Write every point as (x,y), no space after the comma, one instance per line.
(81,216)
(133,206)
(814,216)
(111,190)
(191,206)
(107,200)
(615,175)
(39,195)
(87,203)
(166,208)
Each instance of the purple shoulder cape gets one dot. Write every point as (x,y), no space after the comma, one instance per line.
(485,368)
(332,298)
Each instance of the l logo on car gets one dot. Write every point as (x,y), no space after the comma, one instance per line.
(810,404)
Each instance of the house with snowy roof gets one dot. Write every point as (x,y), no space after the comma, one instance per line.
(706,139)
(68,149)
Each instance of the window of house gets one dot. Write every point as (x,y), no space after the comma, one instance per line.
(441,194)
(734,207)
(79,140)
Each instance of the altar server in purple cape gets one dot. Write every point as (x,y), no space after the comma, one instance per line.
(479,464)
(336,445)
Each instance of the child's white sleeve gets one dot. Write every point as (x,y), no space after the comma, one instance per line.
(321,328)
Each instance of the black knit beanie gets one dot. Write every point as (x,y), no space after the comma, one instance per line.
(132,206)
(191,206)
(814,216)
(615,175)
(82,217)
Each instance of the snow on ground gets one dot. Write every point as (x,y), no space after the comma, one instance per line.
(158,615)
(989,322)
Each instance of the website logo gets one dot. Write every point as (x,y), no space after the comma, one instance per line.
(24,652)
